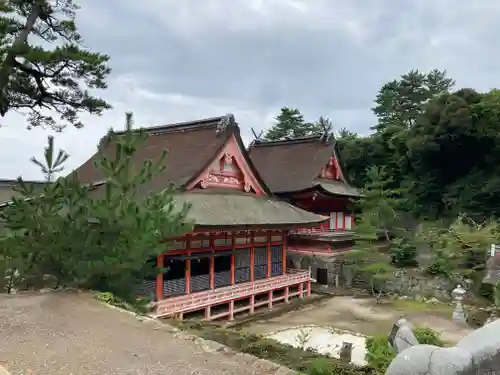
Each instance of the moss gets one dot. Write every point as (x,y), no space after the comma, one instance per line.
(307,361)
(477,318)
(136,306)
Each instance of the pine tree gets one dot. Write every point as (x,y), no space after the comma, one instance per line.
(39,80)
(289,123)
(379,208)
(99,236)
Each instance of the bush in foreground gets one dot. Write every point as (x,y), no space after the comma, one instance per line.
(379,353)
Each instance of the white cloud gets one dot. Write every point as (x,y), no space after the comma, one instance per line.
(177,61)
(126,93)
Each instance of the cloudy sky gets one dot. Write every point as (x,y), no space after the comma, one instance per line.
(184,60)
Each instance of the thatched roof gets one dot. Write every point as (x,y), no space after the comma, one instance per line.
(292,165)
(192,147)
(215,208)
(337,188)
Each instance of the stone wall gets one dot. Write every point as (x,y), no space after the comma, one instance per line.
(412,283)
(408,282)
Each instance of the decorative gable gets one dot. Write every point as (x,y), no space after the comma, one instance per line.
(332,170)
(229,170)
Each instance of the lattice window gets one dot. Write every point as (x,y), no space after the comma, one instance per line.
(276,260)
(260,262)
(242,266)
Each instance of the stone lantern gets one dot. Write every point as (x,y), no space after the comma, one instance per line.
(493,277)
(458,295)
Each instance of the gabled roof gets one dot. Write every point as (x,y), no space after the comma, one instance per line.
(292,165)
(190,145)
(192,148)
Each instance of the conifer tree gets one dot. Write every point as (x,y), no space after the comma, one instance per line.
(44,67)
(96,236)
(379,208)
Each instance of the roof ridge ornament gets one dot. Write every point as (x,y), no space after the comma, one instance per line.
(227,120)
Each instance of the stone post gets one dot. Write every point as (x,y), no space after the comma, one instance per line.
(345,353)
(458,297)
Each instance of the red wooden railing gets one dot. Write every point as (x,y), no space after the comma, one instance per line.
(347,223)
(195,301)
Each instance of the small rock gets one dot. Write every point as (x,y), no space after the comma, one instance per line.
(433,301)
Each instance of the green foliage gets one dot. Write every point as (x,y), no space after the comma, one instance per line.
(99,237)
(379,208)
(304,361)
(379,352)
(426,335)
(441,148)
(135,305)
(44,65)
(290,123)
(403,252)
(461,248)
(440,266)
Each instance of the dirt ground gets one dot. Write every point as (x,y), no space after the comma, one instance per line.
(366,317)
(71,333)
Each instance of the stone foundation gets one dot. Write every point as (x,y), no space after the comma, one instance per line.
(406,282)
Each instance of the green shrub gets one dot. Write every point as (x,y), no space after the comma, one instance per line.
(379,353)
(426,335)
(137,306)
(439,267)
(486,291)
(305,361)
(320,367)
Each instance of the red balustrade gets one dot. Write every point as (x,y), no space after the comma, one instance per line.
(195,301)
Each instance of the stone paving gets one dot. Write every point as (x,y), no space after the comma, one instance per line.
(59,333)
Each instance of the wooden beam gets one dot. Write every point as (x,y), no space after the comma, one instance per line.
(159,278)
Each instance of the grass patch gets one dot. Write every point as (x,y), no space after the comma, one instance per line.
(138,306)
(306,361)
(412,306)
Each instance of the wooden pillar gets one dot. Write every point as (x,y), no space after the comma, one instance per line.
(233,238)
(159,278)
(301,290)
(269,264)
(252,259)
(231,310)
(284,254)
(212,272)
(188,275)
(270,299)
(287,292)
(252,304)
(308,288)
(208,312)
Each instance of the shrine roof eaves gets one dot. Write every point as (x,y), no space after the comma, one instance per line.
(223,209)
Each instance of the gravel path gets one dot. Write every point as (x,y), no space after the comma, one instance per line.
(71,333)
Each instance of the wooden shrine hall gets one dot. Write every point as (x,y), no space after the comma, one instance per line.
(235,258)
(307,173)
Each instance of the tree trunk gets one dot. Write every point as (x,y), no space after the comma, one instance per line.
(22,39)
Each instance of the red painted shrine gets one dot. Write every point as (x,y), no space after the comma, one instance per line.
(306,172)
(235,258)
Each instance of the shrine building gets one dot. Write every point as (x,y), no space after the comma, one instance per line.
(306,172)
(235,259)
